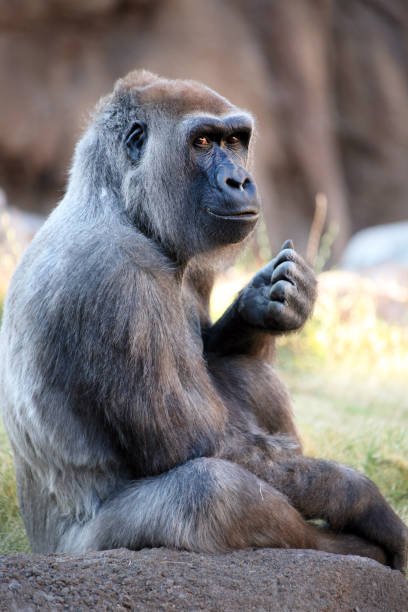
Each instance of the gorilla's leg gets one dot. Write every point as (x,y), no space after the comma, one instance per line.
(347,500)
(318,489)
(208,505)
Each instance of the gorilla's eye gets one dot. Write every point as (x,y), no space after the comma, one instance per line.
(135,139)
(233,140)
(202,141)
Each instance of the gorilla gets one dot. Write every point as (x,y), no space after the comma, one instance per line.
(135,421)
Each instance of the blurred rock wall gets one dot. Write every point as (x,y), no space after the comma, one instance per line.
(326,79)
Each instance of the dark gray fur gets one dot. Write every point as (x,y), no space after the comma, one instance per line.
(135,421)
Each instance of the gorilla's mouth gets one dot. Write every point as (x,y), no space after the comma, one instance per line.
(248,214)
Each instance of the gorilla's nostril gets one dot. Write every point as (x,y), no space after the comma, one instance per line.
(246,183)
(233,183)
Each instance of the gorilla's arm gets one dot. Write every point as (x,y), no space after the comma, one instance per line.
(279,299)
(113,338)
(351,503)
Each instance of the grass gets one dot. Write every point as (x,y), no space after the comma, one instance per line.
(12,534)
(357,424)
(346,371)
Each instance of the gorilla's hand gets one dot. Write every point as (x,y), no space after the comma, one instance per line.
(281,295)
(375,520)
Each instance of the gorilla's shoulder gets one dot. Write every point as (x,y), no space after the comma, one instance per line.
(65,266)
(100,249)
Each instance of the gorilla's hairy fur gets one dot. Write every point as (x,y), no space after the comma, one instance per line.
(134,420)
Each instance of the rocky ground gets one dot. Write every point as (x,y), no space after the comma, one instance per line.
(162,579)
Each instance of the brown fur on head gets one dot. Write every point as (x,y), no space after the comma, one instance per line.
(178,96)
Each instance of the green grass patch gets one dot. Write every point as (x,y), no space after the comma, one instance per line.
(361,425)
(12,534)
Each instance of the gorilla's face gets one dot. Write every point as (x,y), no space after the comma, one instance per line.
(189,186)
(225,193)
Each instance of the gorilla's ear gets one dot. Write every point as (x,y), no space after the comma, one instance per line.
(134,140)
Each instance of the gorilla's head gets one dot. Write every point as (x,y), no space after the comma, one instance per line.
(174,154)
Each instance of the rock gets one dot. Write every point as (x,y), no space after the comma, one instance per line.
(376,246)
(163,579)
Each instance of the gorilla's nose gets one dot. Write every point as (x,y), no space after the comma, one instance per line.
(236,182)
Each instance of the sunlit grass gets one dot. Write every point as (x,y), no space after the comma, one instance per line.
(348,332)
(346,420)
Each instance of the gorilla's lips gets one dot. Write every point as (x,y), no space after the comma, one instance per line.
(247,214)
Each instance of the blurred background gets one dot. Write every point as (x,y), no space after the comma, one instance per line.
(328,83)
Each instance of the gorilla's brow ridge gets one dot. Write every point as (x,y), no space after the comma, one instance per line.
(241,116)
(230,122)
